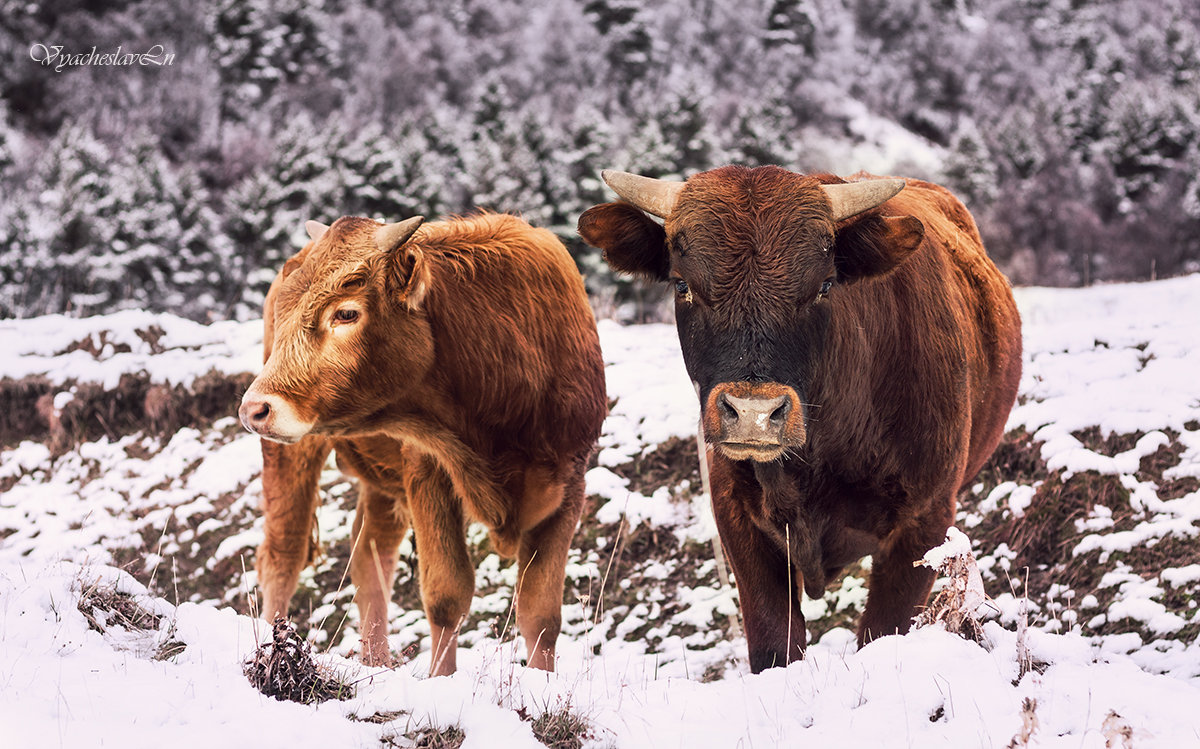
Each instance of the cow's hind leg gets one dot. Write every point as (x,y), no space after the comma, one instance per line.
(447,578)
(379,525)
(542,558)
(290,475)
(898,590)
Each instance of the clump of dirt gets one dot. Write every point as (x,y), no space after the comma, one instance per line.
(1096,441)
(136,404)
(1045,533)
(668,464)
(284,669)
(1017,458)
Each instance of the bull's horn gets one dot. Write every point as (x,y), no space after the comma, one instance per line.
(853,198)
(315,230)
(390,236)
(654,196)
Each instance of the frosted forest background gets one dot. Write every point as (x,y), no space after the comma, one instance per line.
(1071,128)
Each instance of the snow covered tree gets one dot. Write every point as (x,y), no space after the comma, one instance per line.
(791,23)
(630,46)
(970,168)
(262,44)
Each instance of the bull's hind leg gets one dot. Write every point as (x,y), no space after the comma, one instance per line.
(290,474)
(898,590)
(447,578)
(550,514)
(379,525)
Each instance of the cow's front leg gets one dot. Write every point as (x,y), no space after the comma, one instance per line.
(446,576)
(289,478)
(767,592)
(898,590)
(379,525)
(542,559)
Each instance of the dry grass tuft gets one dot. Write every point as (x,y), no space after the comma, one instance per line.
(1029,725)
(560,728)
(955,606)
(104,606)
(435,738)
(284,669)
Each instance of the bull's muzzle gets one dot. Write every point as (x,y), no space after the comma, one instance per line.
(753,420)
(271,417)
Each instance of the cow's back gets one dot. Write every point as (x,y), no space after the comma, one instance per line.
(515,339)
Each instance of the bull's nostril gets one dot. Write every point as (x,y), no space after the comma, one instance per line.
(780,414)
(728,412)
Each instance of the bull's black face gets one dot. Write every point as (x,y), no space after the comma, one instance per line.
(752,305)
(756,267)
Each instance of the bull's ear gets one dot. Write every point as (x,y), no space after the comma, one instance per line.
(631,240)
(874,245)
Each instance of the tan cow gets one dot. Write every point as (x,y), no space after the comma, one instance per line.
(454,368)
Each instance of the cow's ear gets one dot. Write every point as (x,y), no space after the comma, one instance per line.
(408,276)
(632,242)
(874,245)
(407,271)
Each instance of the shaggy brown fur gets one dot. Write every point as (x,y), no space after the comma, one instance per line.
(469,386)
(894,332)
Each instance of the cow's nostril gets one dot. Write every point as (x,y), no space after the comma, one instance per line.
(262,413)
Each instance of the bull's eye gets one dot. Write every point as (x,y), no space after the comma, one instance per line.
(825,287)
(346,315)
(683,290)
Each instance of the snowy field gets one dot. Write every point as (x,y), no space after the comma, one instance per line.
(664,667)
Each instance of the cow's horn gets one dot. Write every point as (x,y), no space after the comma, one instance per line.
(654,196)
(853,198)
(315,230)
(390,236)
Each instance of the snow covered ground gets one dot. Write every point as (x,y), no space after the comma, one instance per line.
(654,670)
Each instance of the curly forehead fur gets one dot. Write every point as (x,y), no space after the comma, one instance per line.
(758,234)
(345,256)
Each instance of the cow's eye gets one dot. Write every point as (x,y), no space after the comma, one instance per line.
(681,287)
(825,287)
(345,315)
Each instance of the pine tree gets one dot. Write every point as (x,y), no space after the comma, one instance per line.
(791,23)
(261,45)
(970,168)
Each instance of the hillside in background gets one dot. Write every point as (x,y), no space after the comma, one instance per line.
(1071,128)
(128,522)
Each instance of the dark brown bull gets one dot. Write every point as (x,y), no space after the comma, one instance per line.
(455,369)
(856,355)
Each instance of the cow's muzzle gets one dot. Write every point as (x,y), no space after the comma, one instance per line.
(271,417)
(754,420)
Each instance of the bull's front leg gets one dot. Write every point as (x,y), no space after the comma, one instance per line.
(767,592)
(898,590)
(380,523)
(447,579)
(290,475)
